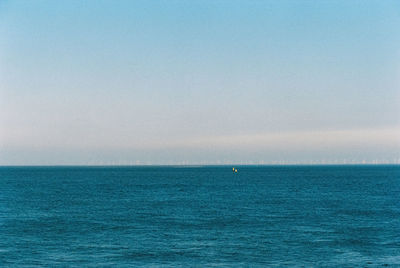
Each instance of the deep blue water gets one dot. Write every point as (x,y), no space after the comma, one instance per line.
(321,216)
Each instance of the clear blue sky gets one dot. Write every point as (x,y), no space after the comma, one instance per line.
(199,82)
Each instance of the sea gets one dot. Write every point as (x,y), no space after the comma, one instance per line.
(200,216)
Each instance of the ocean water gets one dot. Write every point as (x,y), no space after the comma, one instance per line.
(283,216)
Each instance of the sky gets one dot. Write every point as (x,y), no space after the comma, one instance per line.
(199,82)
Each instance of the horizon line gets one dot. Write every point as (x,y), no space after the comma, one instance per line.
(209,165)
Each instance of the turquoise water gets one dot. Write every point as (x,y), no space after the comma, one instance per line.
(321,216)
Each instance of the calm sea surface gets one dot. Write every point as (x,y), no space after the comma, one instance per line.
(321,216)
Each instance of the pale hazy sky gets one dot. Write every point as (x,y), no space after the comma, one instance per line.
(199,82)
